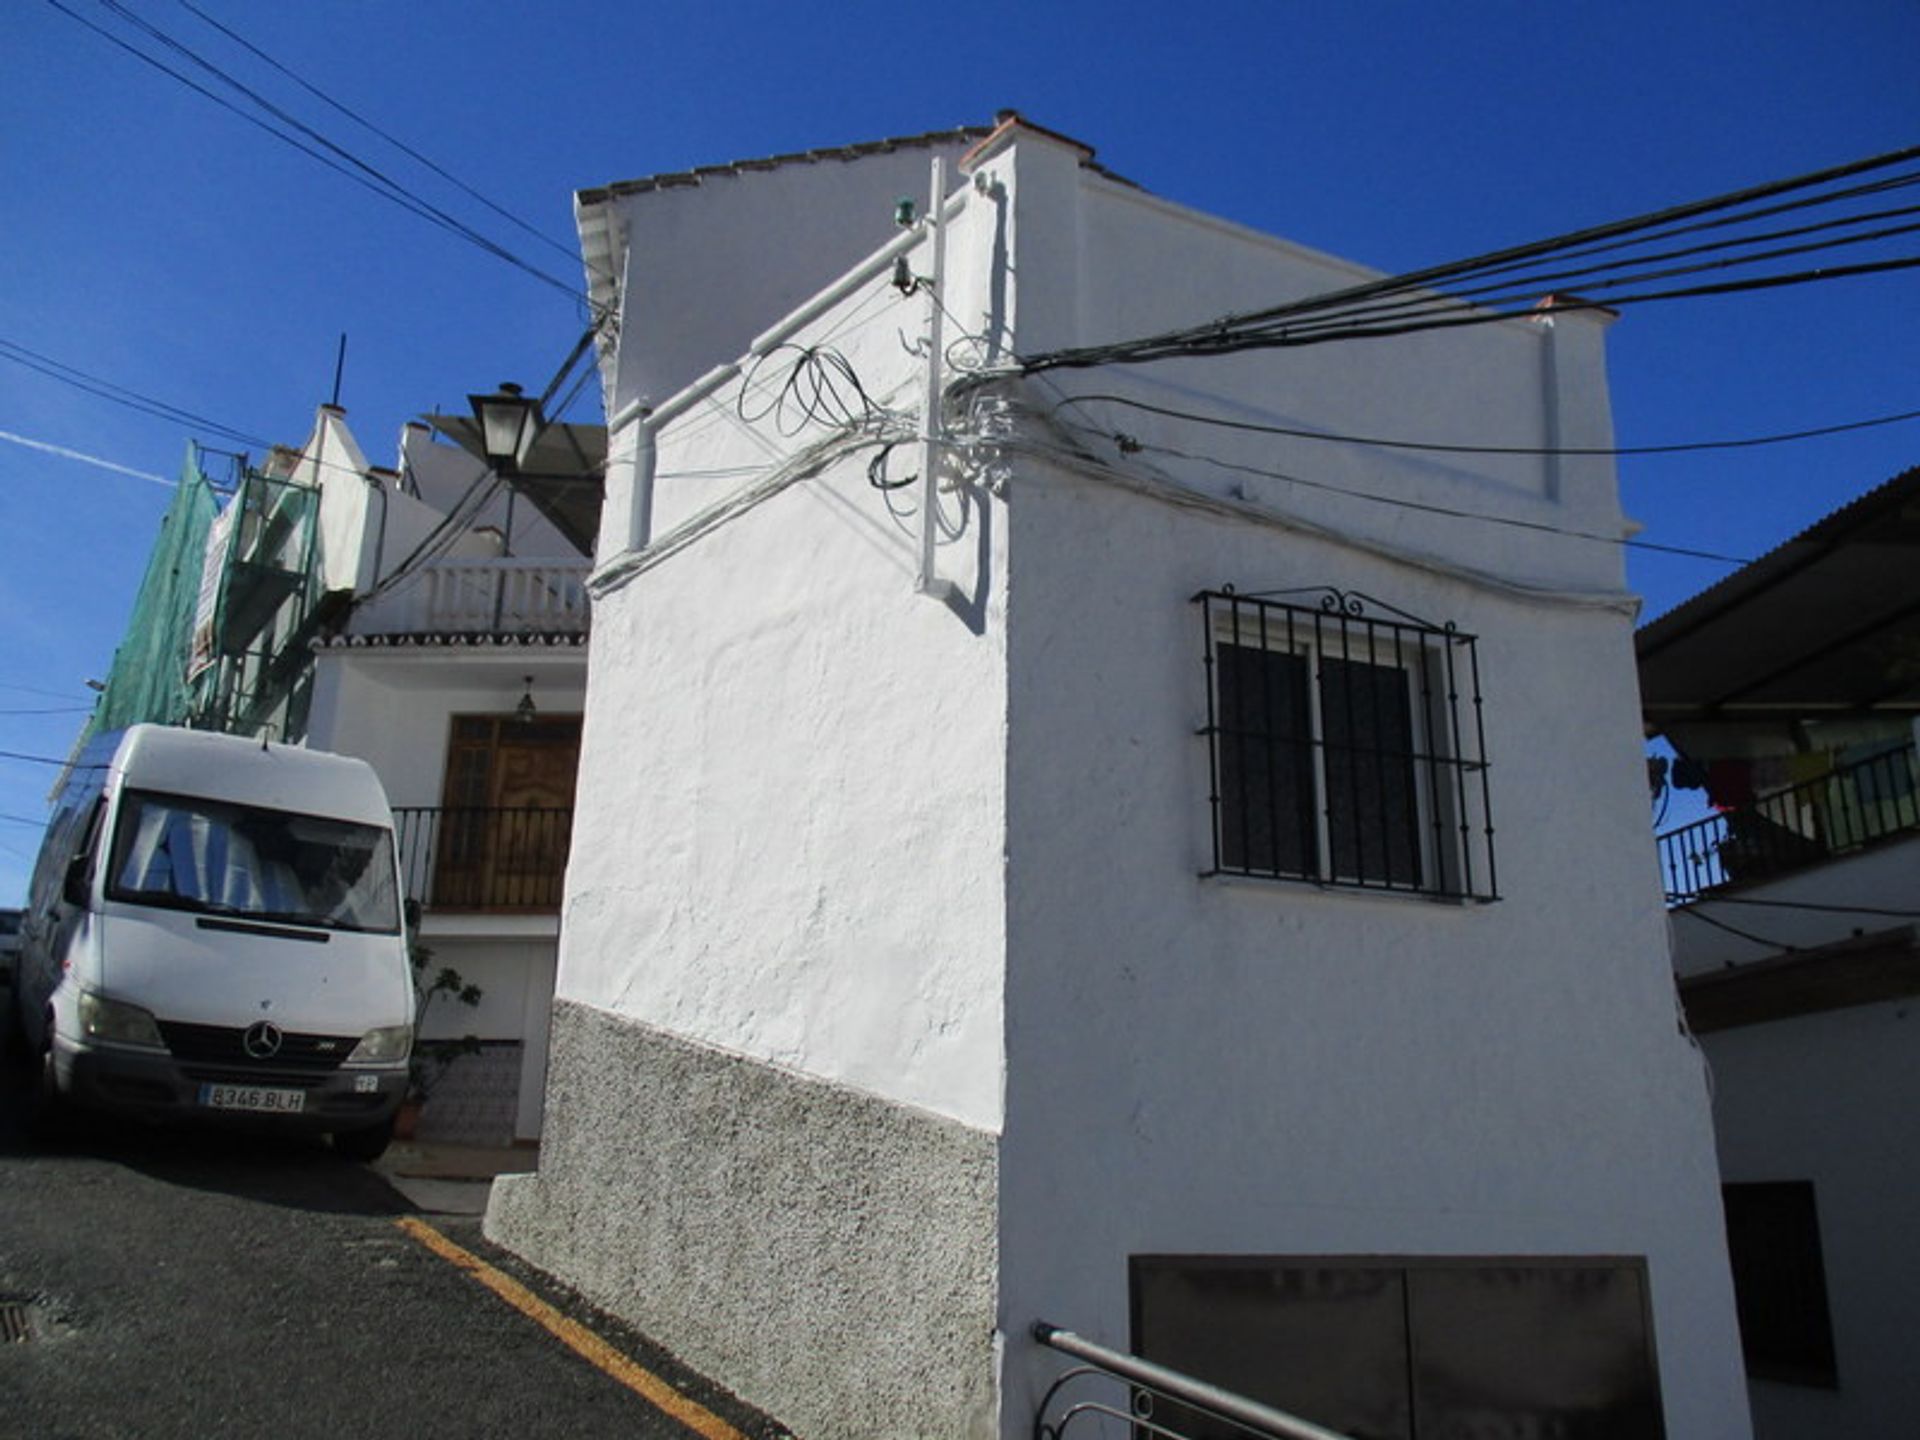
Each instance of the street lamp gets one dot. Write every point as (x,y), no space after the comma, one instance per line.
(509,424)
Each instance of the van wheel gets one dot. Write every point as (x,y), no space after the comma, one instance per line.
(369,1143)
(13,1036)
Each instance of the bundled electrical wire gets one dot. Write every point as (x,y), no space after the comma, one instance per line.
(820,388)
(1747,244)
(232,94)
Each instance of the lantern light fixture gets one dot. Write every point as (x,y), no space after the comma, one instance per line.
(509,424)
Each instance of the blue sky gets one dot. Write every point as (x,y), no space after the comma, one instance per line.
(160,243)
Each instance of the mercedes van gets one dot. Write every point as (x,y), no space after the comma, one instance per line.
(214,933)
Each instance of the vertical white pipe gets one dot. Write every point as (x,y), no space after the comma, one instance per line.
(640,497)
(936,341)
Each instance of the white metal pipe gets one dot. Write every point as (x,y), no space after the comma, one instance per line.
(652,419)
(640,497)
(875,264)
(1249,1414)
(936,340)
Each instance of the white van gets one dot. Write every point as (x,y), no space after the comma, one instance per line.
(214,932)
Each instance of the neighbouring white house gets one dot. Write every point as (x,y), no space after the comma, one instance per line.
(460,677)
(1791,692)
(1045,855)
(431,619)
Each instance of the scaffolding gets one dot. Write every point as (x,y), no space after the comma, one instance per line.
(148,678)
(250,665)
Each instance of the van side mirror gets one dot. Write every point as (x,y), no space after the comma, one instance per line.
(410,908)
(73,888)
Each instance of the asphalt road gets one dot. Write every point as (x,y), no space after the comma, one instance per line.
(174,1284)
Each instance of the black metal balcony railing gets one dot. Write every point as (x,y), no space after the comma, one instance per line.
(1793,829)
(493,859)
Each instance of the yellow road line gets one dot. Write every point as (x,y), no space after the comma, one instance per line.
(571,1333)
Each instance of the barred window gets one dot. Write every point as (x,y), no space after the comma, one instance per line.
(1346,745)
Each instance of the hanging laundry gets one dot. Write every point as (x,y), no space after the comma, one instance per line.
(1809,766)
(1730,784)
(1689,774)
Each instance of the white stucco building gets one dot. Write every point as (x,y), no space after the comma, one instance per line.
(1789,692)
(1058,860)
(459,675)
(431,619)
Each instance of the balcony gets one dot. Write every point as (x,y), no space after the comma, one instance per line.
(493,861)
(1842,812)
(503,596)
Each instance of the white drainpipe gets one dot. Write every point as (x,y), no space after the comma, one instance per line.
(930,453)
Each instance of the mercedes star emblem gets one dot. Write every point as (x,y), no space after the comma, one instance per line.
(262,1040)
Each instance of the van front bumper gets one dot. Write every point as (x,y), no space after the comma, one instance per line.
(156,1085)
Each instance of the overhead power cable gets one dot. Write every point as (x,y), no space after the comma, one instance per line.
(1815,907)
(1404,304)
(1733,929)
(1590,283)
(1428,508)
(1443,447)
(405,149)
(359,171)
(40,759)
(141,404)
(119,394)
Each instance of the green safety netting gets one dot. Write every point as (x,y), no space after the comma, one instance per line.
(148,680)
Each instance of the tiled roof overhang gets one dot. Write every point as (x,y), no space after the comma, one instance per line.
(1827,622)
(600,244)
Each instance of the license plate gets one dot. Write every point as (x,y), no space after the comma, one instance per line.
(262,1098)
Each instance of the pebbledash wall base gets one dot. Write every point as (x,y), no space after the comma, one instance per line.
(768,1194)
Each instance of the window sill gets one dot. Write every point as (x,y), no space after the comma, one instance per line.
(1283,884)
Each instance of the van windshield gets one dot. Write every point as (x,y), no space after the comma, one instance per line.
(192,853)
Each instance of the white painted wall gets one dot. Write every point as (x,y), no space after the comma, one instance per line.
(1245,1067)
(444,474)
(1829,1098)
(393,706)
(1219,1067)
(1885,877)
(949,856)
(707,267)
(791,832)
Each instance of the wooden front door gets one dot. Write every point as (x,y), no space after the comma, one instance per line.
(507,812)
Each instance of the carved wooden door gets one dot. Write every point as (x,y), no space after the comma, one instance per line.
(507,812)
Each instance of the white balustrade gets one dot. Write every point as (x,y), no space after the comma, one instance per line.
(467,597)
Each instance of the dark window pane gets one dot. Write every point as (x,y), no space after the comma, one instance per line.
(1366,718)
(1510,1352)
(1326,1343)
(1385,1349)
(1780,1283)
(1266,761)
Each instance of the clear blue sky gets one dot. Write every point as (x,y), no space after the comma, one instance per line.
(156,241)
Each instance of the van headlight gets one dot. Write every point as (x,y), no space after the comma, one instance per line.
(117,1022)
(388,1045)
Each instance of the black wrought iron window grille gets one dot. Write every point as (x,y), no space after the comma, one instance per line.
(1346,745)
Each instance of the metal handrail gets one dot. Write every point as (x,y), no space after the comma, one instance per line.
(1147,1381)
(1793,829)
(484,858)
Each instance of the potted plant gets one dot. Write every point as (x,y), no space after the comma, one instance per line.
(431,1059)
